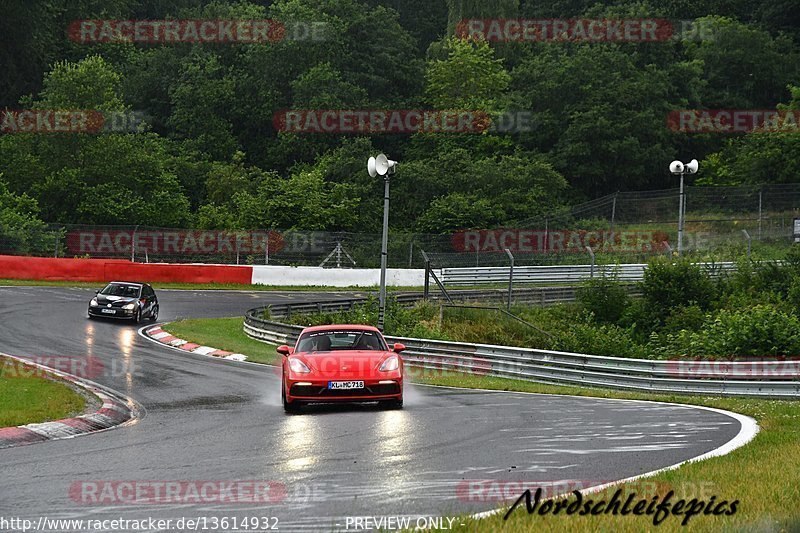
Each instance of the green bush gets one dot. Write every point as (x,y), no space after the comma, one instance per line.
(689,318)
(668,285)
(606,339)
(419,321)
(604,297)
(762,330)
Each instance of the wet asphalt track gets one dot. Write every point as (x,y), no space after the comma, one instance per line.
(208,419)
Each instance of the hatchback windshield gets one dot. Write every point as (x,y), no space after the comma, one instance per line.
(326,341)
(125,291)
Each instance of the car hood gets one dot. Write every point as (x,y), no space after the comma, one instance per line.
(345,364)
(115,301)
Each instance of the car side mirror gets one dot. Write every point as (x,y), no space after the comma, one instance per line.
(285,350)
(399,347)
(97,292)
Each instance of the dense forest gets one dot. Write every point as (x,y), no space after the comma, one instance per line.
(207,152)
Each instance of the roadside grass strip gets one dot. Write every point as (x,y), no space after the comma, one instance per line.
(214,337)
(27,396)
(33,420)
(163,337)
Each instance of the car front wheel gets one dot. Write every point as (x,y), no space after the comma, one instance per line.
(393,404)
(288,407)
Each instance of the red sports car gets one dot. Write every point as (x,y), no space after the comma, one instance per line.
(341,364)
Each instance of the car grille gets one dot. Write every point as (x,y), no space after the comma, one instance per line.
(324,392)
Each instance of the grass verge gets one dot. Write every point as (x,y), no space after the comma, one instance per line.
(27,396)
(224,334)
(764,475)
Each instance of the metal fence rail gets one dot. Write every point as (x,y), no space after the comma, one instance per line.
(554,274)
(768,379)
(541,296)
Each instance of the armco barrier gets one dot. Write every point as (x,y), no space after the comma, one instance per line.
(768,379)
(555,274)
(102,270)
(539,296)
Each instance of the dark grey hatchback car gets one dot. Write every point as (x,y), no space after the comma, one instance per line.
(127,300)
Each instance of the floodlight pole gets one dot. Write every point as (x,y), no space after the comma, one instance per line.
(681,208)
(384,250)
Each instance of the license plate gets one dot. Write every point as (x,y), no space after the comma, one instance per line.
(108,311)
(345,385)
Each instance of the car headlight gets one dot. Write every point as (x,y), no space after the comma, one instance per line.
(130,307)
(391,364)
(93,303)
(296,365)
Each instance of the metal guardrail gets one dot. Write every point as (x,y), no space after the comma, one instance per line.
(768,379)
(554,274)
(541,296)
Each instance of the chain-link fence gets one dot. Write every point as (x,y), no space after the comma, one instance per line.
(722,223)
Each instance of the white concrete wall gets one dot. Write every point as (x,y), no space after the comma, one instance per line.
(329,277)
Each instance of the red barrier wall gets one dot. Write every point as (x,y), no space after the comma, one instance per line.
(48,268)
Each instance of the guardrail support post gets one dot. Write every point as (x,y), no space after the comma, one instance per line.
(510,277)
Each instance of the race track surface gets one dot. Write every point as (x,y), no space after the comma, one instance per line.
(209,419)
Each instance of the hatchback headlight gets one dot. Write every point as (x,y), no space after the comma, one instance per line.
(130,307)
(93,303)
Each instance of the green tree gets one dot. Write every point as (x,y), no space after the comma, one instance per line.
(302,202)
(21,230)
(744,66)
(758,157)
(103,178)
(469,79)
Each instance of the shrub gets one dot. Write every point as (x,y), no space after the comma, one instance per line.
(604,297)
(606,339)
(418,321)
(689,318)
(671,284)
(762,330)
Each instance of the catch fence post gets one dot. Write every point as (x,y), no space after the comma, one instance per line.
(749,243)
(427,289)
(510,277)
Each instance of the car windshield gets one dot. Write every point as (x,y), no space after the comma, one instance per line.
(326,341)
(125,291)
